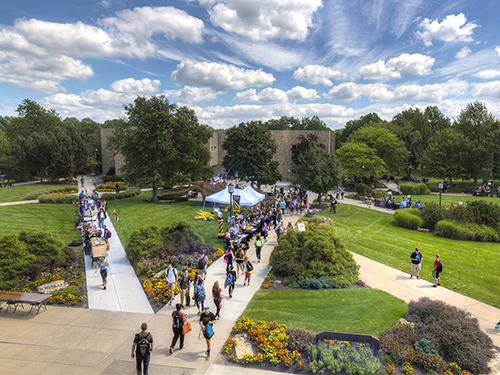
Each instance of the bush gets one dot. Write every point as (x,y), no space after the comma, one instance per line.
(302,283)
(64,199)
(431,213)
(411,188)
(467,231)
(455,334)
(131,192)
(123,187)
(407,220)
(364,190)
(484,213)
(42,243)
(50,265)
(318,252)
(142,242)
(58,189)
(14,258)
(207,188)
(111,178)
(424,346)
(298,339)
(178,231)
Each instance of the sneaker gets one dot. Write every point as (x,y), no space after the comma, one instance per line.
(434,286)
(182,347)
(411,276)
(170,303)
(208,357)
(171,350)
(418,278)
(439,284)
(104,288)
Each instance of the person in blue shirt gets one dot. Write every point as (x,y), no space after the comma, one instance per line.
(416,262)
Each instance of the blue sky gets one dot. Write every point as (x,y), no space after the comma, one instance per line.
(240,60)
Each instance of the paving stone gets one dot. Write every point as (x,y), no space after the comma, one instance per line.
(126,367)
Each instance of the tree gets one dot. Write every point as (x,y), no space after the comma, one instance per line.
(283,123)
(359,160)
(352,125)
(35,153)
(448,155)
(161,143)
(304,145)
(250,150)
(313,123)
(317,171)
(385,144)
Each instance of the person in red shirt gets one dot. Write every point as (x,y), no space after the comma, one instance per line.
(435,272)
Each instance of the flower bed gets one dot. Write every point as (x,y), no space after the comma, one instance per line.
(73,191)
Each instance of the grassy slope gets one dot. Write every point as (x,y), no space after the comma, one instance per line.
(471,268)
(134,213)
(446,200)
(19,193)
(54,218)
(367,311)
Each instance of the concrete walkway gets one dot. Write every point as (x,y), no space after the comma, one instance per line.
(124,291)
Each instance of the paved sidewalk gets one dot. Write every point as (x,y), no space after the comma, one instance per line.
(124,291)
(18,202)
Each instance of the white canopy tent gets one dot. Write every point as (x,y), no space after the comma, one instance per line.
(223,197)
(250,191)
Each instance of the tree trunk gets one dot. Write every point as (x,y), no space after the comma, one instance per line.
(155,193)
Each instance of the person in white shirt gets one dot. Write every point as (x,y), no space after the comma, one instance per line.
(171,277)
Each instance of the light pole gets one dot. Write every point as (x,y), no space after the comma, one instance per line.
(236,178)
(409,174)
(230,190)
(440,185)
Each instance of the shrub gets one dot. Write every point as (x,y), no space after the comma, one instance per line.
(178,231)
(467,231)
(131,192)
(42,243)
(407,220)
(424,346)
(364,190)
(142,241)
(111,178)
(64,199)
(177,194)
(484,213)
(431,213)
(411,188)
(57,189)
(318,252)
(455,334)
(14,258)
(298,339)
(207,188)
(111,186)
(302,283)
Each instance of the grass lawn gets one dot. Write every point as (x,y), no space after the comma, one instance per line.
(470,268)
(53,218)
(20,192)
(460,185)
(446,200)
(363,310)
(134,213)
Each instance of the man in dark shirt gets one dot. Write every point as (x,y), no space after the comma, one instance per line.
(416,262)
(143,355)
(207,320)
(184,286)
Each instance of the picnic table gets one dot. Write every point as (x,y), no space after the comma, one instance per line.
(14,299)
(98,249)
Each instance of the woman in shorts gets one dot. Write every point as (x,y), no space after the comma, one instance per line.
(104,267)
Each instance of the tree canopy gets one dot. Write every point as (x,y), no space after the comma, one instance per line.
(249,150)
(359,160)
(161,143)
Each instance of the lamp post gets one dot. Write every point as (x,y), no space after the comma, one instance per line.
(409,174)
(236,178)
(440,185)
(230,190)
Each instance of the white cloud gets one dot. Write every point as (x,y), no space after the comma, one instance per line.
(487,74)
(486,90)
(498,50)
(300,93)
(463,53)
(137,86)
(191,94)
(220,76)
(318,75)
(383,93)
(268,95)
(415,64)
(454,28)
(261,20)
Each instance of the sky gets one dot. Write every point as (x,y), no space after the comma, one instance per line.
(233,61)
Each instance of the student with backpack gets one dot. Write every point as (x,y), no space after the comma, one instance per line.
(202,265)
(143,346)
(207,321)
(179,318)
(438,268)
(258,248)
(229,256)
(248,271)
(230,280)
(185,285)
(199,293)
(171,277)
(106,234)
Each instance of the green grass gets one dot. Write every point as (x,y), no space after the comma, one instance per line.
(365,311)
(20,192)
(134,213)
(53,218)
(446,200)
(460,185)
(471,268)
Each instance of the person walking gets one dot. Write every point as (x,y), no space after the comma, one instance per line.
(171,278)
(143,346)
(217,295)
(202,265)
(207,321)
(239,262)
(438,267)
(104,267)
(248,271)
(106,234)
(101,216)
(258,248)
(416,262)
(178,320)
(333,205)
(199,294)
(230,280)
(184,282)
(229,256)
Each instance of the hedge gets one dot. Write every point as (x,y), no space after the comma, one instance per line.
(111,186)
(39,193)
(49,198)
(131,192)
(467,231)
(407,220)
(411,188)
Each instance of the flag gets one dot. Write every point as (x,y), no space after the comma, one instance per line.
(115,214)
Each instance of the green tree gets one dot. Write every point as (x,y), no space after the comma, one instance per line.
(311,123)
(304,145)
(352,125)
(283,123)
(161,143)
(14,258)
(35,153)
(385,144)
(448,155)
(360,161)
(317,171)
(249,150)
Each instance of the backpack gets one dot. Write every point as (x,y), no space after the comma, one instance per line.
(249,267)
(200,294)
(226,257)
(177,321)
(201,264)
(209,331)
(258,243)
(440,267)
(143,347)
(229,280)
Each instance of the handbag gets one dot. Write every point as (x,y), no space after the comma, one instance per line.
(186,328)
